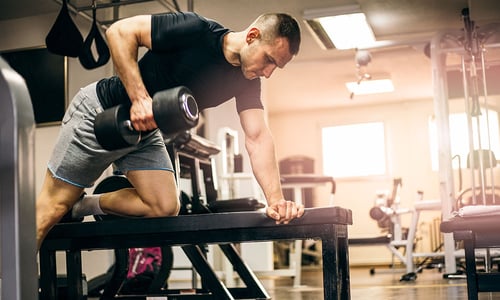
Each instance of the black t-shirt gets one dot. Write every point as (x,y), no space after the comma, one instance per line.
(187,50)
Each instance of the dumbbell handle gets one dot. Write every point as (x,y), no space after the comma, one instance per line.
(113,128)
(128,124)
(189,112)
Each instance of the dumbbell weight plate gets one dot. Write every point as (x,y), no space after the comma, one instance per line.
(175,110)
(113,129)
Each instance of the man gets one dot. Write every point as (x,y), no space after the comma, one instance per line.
(216,64)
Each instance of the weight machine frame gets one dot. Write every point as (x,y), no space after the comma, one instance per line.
(470,43)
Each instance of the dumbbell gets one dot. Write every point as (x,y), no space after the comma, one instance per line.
(174,110)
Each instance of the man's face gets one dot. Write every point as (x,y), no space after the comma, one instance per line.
(260,58)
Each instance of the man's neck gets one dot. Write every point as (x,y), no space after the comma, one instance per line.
(231,48)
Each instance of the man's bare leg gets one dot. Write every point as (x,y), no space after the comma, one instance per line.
(54,201)
(154,195)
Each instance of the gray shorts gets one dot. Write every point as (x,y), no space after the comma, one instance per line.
(78,158)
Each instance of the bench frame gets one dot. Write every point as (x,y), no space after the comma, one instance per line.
(476,233)
(328,224)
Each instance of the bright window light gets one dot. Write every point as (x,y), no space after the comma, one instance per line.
(341,27)
(459,136)
(356,150)
(366,87)
(348,31)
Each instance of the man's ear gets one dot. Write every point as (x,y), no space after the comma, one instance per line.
(252,34)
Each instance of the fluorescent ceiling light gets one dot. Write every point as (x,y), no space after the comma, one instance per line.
(369,86)
(343,27)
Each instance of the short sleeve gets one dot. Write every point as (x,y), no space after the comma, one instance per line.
(250,97)
(170,30)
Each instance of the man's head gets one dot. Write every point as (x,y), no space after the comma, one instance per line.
(280,25)
(271,41)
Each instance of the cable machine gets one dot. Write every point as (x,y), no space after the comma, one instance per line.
(472,44)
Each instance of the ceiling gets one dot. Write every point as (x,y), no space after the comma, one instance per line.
(316,78)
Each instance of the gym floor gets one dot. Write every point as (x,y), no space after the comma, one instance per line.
(383,285)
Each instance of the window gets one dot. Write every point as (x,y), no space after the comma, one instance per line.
(459,136)
(355,150)
(47,92)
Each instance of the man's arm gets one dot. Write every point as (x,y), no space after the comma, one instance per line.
(124,38)
(260,146)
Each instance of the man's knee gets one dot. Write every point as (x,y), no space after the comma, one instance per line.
(165,208)
(158,191)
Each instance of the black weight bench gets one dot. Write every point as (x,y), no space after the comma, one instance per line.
(369,241)
(328,224)
(479,232)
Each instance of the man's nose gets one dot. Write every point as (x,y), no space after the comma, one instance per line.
(268,70)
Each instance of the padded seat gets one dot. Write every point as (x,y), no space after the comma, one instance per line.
(376,240)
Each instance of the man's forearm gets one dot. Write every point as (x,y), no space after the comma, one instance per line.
(260,146)
(265,169)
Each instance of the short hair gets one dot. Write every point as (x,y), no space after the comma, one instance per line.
(281,25)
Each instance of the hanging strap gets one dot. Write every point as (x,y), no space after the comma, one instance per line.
(64,38)
(86,56)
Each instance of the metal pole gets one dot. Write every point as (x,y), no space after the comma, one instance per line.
(492,163)
(441,109)
(469,114)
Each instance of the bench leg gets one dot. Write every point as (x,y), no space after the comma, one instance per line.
(336,280)
(74,274)
(209,278)
(253,286)
(48,275)
(118,276)
(470,263)
(345,279)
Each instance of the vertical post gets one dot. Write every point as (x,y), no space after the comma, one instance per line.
(441,109)
(18,264)
(332,283)
(190,5)
(74,275)
(48,274)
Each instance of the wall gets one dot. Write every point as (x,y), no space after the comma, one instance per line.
(407,153)
(408,157)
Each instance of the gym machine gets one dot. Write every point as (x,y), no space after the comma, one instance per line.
(17,189)
(471,45)
(387,212)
